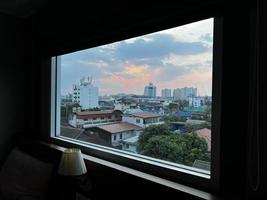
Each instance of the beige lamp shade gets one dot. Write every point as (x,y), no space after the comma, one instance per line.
(72,163)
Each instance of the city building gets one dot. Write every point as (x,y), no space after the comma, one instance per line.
(117,132)
(150,90)
(166,93)
(184,93)
(196,102)
(85,94)
(153,107)
(130,144)
(143,119)
(94,118)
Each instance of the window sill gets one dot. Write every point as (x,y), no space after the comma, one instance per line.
(180,187)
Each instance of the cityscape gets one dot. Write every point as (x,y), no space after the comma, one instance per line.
(149,96)
(150,125)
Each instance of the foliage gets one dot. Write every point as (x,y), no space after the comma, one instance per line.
(182,104)
(174,118)
(150,131)
(178,148)
(192,128)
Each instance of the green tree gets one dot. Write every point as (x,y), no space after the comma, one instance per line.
(162,147)
(159,142)
(150,131)
(174,118)
(172,107)
(182,104)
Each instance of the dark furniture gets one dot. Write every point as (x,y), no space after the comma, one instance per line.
(24,177)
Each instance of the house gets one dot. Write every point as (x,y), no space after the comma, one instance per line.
(130,144)
(93,118)
(143,119)
(118,132)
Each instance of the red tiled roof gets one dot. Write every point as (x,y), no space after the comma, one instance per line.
(145,114)
(119,127)
(206,134)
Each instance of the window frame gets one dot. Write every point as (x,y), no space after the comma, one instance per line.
(169,173)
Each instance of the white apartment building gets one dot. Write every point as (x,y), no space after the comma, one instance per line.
(150,90)
(95,118)
(85,94)
(166,93)
(143,119)
(184,93)
(196,102)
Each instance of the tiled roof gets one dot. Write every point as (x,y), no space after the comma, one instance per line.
(145,114)
(206,134)
(119,127)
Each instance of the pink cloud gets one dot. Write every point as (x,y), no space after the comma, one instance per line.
(121,83)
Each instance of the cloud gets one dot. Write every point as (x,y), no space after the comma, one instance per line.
(135,70)
(185,60)
(161,46)
(179,56)
(191,32)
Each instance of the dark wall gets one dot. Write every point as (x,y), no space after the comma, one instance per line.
(12,81)
(67,32)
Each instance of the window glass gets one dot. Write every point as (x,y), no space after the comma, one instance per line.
(163,78)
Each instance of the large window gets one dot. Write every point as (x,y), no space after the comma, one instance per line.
(153,92)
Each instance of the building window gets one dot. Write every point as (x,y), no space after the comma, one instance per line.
(149,69)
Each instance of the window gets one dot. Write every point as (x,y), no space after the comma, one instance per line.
(164,75)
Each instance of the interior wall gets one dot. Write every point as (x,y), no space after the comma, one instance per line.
(235,103)
(12,81)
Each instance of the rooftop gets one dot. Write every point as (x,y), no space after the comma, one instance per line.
(206,134)
(145,114)
(119,127)
(95,112)
(131,140)
(101,112)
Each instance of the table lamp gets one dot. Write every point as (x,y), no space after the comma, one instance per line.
(72,163)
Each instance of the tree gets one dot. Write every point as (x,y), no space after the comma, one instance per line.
(172,107)
(174,118)
(159,142)
(150,131)
(162,147)
(193,128)
(182,104)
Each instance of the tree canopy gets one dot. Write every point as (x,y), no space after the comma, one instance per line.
(159,142)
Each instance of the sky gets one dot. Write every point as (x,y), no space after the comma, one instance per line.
(173,58)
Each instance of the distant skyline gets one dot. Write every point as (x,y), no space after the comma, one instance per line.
(173,58)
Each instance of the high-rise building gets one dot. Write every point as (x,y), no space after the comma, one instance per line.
(184,93)
(85,94)
(150,90)
(166,93)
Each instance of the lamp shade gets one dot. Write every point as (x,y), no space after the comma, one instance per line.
(72,163)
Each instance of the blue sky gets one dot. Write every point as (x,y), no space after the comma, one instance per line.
(172,58)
